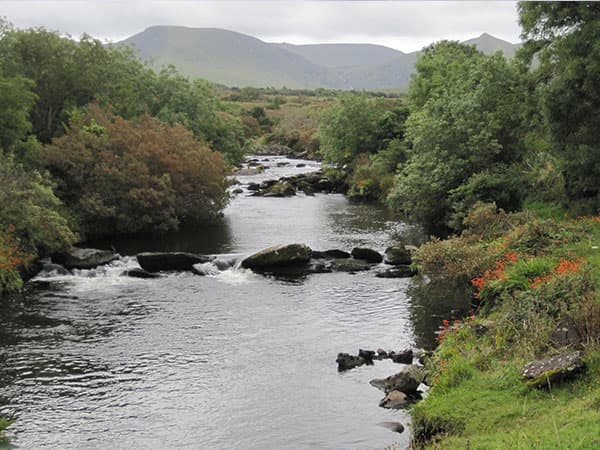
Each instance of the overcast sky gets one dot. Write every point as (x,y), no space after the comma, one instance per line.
(404,25)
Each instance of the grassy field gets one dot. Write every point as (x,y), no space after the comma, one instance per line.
(478,399)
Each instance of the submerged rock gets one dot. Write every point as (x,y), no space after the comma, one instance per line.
(544,372)
(169,261)
(346,361)
(367,254)
(407,380)
(396,272)
(397,255)
(349,265)
(396,427)
(139,273)
(84,258)
(279,255)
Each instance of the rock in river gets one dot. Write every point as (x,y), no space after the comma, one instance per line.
(155,262)
(396,272)
(84,258)
(279,255)
(406,381)
(367,254)
(397,255)
(139,273)
(394,400)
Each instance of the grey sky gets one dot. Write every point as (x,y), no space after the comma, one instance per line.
(404,25)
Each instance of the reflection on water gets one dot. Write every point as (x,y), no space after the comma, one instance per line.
(231,360)
(433,302)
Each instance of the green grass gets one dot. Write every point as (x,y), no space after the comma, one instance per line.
(478,399)
(493,409)
(4,423)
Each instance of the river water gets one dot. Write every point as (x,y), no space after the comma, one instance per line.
(230,361)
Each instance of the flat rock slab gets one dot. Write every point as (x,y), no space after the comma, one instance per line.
(279,255)
(169,261)
(543,372)
(84,258)
(399,271)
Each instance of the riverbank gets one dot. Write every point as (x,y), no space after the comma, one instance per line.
(535,285)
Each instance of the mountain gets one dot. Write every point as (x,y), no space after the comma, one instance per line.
(227,57)
(236,59)
(343,55)
(489,44)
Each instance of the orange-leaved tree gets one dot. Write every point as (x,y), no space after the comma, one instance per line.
(123,176)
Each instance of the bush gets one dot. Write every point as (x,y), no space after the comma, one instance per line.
(123,176)
(12,258)
(30,207)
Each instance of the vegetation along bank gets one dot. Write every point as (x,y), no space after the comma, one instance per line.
(501,155)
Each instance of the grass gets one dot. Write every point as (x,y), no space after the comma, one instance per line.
(4,423)
(478,399)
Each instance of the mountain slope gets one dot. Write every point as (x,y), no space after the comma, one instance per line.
(227,57)
(236,59)
(343,55)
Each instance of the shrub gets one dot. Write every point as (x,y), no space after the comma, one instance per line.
(125,176)
(30,207)
(12,257)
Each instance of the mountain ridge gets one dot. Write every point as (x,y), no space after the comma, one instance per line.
(236,59)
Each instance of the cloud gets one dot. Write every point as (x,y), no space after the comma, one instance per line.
(404,25)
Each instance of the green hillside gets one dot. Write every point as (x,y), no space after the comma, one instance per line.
(236,59)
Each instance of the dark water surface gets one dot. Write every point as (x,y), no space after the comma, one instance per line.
(230,361)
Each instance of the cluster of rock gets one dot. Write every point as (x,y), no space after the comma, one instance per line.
(347,361)
(300,260)
(308,183)
(400,389)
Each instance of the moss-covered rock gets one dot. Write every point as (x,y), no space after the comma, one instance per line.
(280,255)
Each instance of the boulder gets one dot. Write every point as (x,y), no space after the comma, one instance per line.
(367,254)
(394,400)
(49,267)
(407,380)
(84,258)
(402,357)
(336,254)
(397,255)
(346,361)
(566,334)
(396,427)
(139,273)
(545,372)
(253,187)
(367,355)
(281,189)
(169,261)
(280,255)
(396,272)
(349,265)
(237,191)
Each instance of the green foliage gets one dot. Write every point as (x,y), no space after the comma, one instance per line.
(31,208)
(135,176)
(348,128)
(465,132)
(16,99)
(565,37)
(4,423)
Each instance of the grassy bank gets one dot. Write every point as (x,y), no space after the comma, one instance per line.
(529,275)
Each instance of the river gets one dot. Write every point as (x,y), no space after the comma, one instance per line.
(230,361)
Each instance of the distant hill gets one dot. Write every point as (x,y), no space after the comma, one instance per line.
(236,59)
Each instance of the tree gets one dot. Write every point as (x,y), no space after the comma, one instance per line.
(466,119)
(348,128)
(16,99)
(565,39)
(124,176)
